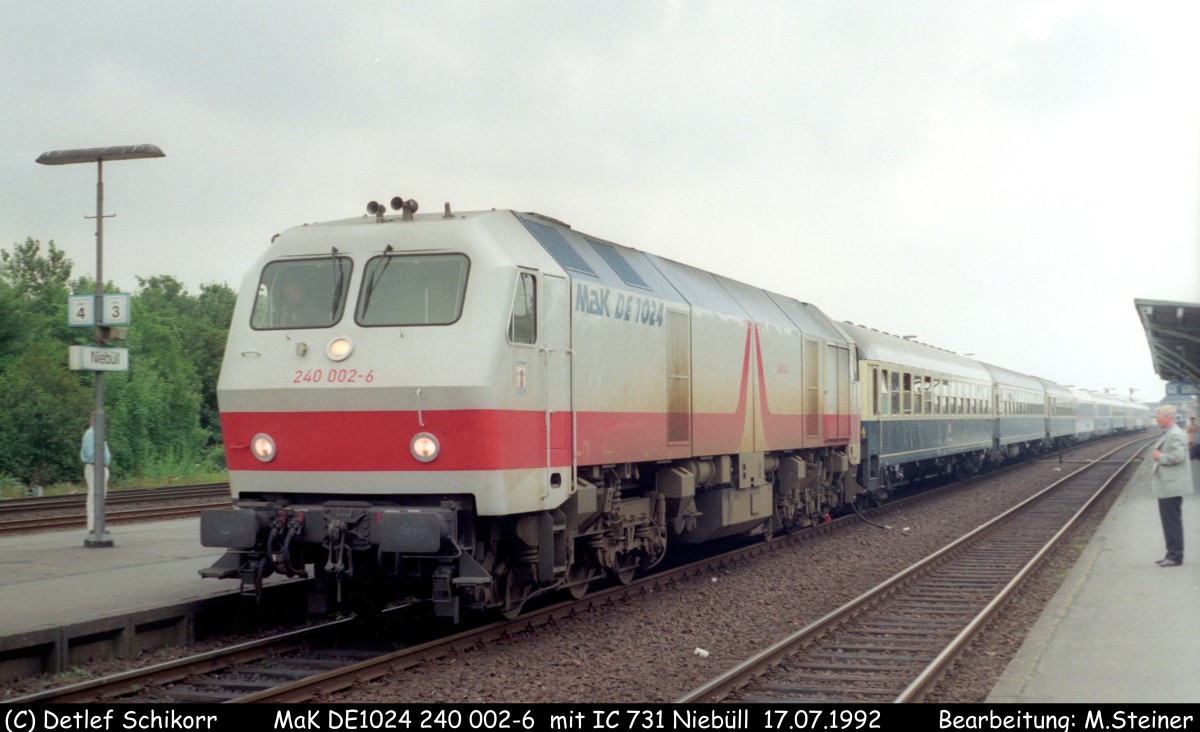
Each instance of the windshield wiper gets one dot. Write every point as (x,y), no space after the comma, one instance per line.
(375,280)
(337,285)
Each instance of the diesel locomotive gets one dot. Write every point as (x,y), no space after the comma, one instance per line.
(475,408)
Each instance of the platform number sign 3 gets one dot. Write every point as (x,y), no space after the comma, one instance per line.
(116,310)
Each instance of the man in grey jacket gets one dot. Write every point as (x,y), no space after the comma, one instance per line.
(1171,480)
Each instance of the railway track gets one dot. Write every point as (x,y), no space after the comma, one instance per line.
(313,663)
(22,515)
(893,643)
(304,665)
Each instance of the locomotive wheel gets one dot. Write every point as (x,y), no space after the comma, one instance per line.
(516,590)
(768,528)
(578,581)
(625,568)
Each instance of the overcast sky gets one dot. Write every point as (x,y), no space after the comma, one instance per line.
(1000,178)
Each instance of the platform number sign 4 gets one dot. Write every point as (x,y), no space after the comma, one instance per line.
(79,310)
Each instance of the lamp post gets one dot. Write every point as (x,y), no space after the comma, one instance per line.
(97,537)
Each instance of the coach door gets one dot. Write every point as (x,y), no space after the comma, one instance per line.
(556,360)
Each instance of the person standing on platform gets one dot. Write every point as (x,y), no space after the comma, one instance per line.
(87,453)
(1193,433)
(1171,479)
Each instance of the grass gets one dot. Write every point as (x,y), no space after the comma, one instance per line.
(11,488)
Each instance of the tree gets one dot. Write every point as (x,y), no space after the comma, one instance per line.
(39,285)
(164,410)
(214,312)
(12,325)
(199,326)
(162,414)
(45,412)
(31,273)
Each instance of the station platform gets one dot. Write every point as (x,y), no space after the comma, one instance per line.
(1120,629)
(64,604)
(51,579)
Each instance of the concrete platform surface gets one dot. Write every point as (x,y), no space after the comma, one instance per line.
(1120,629)
(50,579)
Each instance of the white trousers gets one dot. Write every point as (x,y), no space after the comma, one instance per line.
(90,476)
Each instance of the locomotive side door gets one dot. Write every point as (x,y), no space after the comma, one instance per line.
(557,363)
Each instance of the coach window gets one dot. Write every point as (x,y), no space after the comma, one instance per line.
(301,293)
(881,392)
(895,392)
(522,323)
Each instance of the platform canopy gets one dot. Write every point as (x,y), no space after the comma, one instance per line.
(1173,332)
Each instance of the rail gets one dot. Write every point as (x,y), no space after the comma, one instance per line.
(895,641)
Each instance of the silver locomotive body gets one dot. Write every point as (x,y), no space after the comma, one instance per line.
(473,409)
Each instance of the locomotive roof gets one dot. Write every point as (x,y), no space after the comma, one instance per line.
(591,259)
(874,345)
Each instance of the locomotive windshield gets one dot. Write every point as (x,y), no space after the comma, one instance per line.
(301,293)
(413,289)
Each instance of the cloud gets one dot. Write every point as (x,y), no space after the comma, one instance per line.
(1076,64)
(906,165)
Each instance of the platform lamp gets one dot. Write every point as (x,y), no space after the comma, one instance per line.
(97,537)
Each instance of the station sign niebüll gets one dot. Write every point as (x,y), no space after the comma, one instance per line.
(96,358)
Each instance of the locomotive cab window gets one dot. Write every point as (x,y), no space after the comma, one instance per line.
(412,289)
(301,293)
(522,323)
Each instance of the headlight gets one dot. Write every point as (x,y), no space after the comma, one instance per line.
(339,349)
(424,447)
(263,447)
